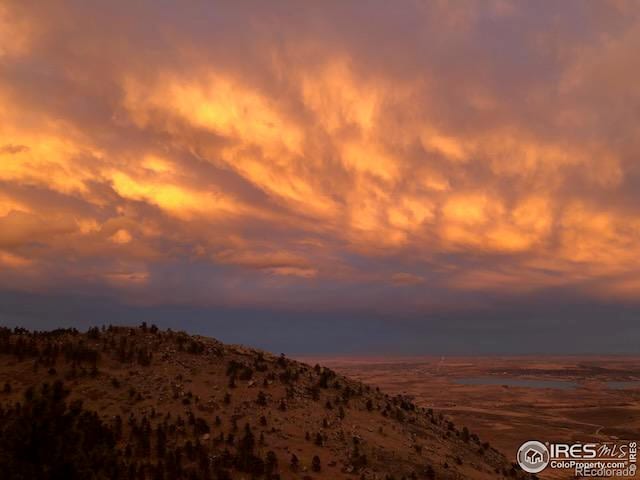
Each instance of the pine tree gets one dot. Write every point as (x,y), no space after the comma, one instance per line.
(295,463)
(271,463)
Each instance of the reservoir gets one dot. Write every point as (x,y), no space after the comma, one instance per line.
(517,382)
(541,383)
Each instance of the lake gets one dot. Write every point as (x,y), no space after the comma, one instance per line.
(517,382)
(623,384)
(538,383)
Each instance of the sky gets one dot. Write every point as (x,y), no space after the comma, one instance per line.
(398,177)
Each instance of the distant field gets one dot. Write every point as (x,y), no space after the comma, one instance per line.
(583,405)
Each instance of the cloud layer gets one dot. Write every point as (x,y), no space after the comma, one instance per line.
(410,157)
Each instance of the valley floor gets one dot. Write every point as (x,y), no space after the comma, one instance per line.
(591,399)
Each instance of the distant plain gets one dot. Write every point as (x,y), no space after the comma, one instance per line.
(509,400)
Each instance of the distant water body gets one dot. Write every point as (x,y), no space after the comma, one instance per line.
(534,383)
(623,385)
(517,382)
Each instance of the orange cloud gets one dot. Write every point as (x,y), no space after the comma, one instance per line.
(319,156)
(15,34)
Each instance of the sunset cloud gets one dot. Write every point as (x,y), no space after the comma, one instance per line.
(278,151)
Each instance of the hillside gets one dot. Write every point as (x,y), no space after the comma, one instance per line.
(141,403)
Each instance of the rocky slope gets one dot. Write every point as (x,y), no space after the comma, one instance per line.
(141,403)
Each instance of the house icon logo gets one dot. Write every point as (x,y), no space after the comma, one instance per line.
(533,456)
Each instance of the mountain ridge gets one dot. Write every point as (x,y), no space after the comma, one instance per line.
(172,405)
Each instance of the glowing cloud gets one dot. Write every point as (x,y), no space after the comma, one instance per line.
(405,160)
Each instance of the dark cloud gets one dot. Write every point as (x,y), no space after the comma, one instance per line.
(416,159)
